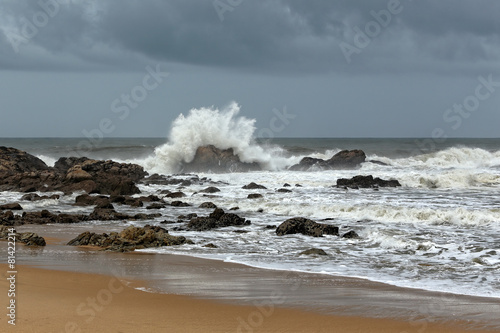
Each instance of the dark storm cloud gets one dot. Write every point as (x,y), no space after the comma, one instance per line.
(272,35)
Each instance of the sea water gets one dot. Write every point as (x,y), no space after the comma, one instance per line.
(439,231)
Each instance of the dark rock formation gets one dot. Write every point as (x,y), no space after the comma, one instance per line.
(217,219)
(179,204)
(254,186)
(213,159)
(129,239)
(36,197)
(16,161)
(156,206)
(211,246)
(28,238)
(366,182)
(301,225)
(11,206)
(351,234)
(209,205)
(22,172)
(175,195)
(210,189)
(254,196)
(345,159)
(313,251)
(283,190)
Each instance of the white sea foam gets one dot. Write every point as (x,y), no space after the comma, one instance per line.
(210,126)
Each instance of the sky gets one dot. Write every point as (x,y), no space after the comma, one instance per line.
(315,68)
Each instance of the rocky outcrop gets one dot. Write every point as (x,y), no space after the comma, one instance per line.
(20,171)
(217,219)
(36,197)
(366,182)
(28,238)
(16,161)
(212,159)
(129,239)
(301,225)
(11,206)
(345,159)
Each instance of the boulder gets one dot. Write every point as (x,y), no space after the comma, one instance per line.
(283,190)
(345,159)
(351,234)
(254,186)
(129,239)
(11,206)
(13,160)
(210,189)
(301,225)
(366,182)
(254,196)
(313,251)
(212,159)
(36,197)
(175,195)
(209,205)
(217,219)
(28,238)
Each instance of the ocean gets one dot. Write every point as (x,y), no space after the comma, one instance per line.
(439,231)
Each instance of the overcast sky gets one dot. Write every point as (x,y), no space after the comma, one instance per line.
(323,68)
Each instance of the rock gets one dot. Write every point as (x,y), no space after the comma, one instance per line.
(217,219)
(254,186)
(156,206)
(75,174)
(209,205)
(351,234)
(210,189)
(283,190)
(301,225)
(366,182)
(36,197)
(31,239)
(286,185)
(175,195)
(28,238)
(187,217)
(129,239)
(212,159)
(234,208)
(13,160)
(179,204)
(11,206)
(345,159)
(254,196)
(211,246)
(89,200)
(313,251)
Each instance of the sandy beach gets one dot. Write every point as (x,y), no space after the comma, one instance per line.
(57,301)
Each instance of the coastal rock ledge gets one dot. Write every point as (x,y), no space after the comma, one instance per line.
(129,239)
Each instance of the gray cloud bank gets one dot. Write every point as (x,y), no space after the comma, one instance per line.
(449,36)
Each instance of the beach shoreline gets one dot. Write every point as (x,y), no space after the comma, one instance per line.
(58,301)
(255,300)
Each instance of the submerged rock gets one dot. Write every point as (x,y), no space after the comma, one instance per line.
(254,186)
(314,251)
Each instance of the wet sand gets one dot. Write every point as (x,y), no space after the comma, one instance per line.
(57,301)
(55,285)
